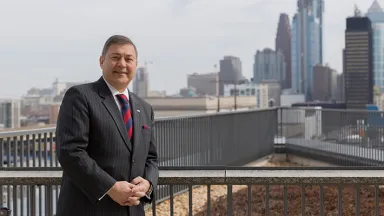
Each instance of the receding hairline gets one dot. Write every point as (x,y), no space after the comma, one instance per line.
(117,39)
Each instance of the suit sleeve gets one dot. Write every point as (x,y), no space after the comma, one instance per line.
(72,139)
(151,165)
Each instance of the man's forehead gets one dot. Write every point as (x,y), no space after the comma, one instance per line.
(127,49)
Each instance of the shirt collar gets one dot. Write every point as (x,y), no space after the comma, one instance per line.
(115,91)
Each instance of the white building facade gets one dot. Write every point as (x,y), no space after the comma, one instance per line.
(260,91)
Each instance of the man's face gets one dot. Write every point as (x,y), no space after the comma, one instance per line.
(119,65)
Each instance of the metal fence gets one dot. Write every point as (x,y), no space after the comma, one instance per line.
(206,140)
(244,191)
(352,138)
(343,137)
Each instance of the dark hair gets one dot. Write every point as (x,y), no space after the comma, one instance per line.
(117,39)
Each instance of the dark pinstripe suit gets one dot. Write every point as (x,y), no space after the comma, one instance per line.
(94,150)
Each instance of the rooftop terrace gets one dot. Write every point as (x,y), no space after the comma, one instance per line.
(211,150)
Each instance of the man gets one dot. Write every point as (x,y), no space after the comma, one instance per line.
(105,141)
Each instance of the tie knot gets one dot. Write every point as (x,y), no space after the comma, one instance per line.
(122,98)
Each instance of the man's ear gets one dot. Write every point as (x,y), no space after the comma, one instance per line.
(101,61)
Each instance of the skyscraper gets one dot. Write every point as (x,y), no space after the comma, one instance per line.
(358,61)
(230,72)
(10,113)
(324,83)
(141,83)
(307,44)
(269,65)
(376,15)
(283,44)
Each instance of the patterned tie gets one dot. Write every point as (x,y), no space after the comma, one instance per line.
(126,112)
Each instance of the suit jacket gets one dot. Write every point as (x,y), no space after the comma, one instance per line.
(94,150)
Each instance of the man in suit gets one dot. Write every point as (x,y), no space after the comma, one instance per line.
(105,141)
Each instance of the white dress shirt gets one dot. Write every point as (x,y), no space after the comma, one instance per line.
(114,93)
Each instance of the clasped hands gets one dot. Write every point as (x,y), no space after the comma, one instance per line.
(129,194)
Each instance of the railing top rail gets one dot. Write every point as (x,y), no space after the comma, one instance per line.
(218,168)
(213,114)
(27,132)
(330,109)
(204,177)
(24,132)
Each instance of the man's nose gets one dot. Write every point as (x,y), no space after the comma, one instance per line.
(122,62)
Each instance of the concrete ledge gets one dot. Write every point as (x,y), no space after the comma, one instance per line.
(223,176)
(30,177)
(192,177)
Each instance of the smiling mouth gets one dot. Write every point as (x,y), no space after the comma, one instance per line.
(120,72)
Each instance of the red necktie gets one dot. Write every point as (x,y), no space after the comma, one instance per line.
(126,112)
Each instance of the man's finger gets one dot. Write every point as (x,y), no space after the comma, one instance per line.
(138,187)
(137,180)
(131,185)
(139,194)
(134,200)
(126,203)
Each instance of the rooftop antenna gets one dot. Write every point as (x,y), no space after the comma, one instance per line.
(357,11)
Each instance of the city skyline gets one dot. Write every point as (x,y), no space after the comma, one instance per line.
(179,37)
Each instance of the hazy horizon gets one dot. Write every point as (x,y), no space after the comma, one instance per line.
(64,39)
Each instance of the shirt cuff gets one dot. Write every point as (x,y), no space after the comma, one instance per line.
(104,194)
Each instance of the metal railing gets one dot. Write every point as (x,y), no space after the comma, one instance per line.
(352,138)
(211,139)
(355,136)
(214,139)
(343,137)
(247,191)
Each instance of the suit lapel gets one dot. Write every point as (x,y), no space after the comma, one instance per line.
(137,119)
(110,104)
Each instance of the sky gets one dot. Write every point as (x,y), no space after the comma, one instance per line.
(42,40)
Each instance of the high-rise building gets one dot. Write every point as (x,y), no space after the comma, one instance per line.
(283,44)
(324,83)
(358,72)
(269,65)
(10,113)
(205,84)
(141,82)
(307,44)
(340,87)
(230,72)
(376,15)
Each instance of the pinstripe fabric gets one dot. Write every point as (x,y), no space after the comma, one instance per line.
(94,150)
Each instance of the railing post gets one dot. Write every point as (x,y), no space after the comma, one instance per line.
(48,200)
(32,205)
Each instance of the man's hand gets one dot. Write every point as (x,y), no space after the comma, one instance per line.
(122,192)
(141,186)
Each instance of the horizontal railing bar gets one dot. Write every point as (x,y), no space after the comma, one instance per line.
(331,110)
(233,112)
(30,169)
(158,119)
(27,131)
(269,168)
(185,177)
(198,168)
